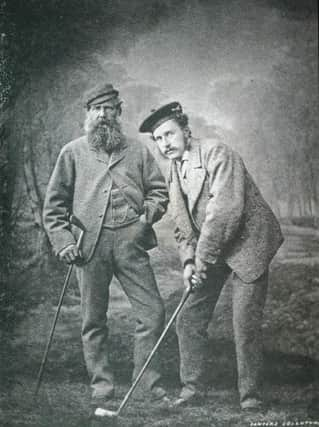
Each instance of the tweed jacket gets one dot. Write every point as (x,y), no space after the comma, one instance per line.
(81,184)
(225,216)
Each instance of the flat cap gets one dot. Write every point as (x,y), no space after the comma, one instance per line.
(164,113)
(101,94)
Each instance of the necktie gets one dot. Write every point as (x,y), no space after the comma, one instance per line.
(182,167)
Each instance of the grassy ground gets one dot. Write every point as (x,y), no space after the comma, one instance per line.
(64,397)
(66,404)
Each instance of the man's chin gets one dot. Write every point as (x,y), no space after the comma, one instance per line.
(173,155)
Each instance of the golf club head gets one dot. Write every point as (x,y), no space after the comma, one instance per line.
(102,413)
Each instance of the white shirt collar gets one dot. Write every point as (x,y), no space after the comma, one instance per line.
(185,157)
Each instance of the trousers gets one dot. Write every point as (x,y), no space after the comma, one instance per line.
(248,301)
(119,252)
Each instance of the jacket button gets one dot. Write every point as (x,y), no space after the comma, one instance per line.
(100,216)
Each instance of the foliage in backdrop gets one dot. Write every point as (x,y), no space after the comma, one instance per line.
(244,69)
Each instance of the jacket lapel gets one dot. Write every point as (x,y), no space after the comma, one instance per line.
(116,156)
(101,156)
(195,174)
(178,205)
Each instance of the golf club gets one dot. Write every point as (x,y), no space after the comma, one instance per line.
(75,221)
(101,412)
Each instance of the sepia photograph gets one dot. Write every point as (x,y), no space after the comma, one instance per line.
(159,213)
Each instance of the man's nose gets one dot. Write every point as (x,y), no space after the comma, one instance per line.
(166,142)
(102,112)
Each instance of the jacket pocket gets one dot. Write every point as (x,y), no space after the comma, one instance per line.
(145,236)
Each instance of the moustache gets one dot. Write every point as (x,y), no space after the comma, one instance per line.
(103,123)
(169,150)
(105,136)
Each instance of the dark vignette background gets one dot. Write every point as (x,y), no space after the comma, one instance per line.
(243,69)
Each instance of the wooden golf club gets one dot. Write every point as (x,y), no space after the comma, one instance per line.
(75,221)
(101,412)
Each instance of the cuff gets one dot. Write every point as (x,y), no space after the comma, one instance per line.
(153,213)
(147,214)
(70,244)
(61,240)
(186,254)
(188,261)
(207,257)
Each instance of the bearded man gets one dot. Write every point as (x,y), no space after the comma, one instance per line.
(224,229)
(112,184)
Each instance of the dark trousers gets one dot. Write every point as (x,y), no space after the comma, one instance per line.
(119,252)
(248,301)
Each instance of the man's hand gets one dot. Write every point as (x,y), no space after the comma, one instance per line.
(71,254)
(143,219)
(190,277)
(201,269)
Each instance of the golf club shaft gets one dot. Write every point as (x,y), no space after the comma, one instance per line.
(45,356)
(148,361)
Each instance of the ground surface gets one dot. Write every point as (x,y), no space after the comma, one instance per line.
(291,344)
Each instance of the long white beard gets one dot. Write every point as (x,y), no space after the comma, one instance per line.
(105,136)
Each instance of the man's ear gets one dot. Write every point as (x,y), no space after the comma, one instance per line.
(119,109)
(187,134)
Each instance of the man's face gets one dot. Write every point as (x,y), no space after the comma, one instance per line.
(103,127)
(170,139)
(101,114)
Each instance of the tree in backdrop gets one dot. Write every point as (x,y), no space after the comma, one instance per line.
(51,50)
(7,166)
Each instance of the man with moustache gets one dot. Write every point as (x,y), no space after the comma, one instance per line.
(115,188)
(224,229)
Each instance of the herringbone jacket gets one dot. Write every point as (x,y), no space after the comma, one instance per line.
(226,216)
(81,183)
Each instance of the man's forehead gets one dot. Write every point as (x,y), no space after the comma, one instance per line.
(105,104)
(167,125)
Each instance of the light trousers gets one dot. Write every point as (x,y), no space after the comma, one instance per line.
(248,301)
(120,253)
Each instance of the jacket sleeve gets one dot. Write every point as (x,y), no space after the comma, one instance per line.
(155,189)
(226,177)
(185,247)
(58,202)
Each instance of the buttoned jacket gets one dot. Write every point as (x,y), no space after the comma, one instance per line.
(81,184)
(224,215)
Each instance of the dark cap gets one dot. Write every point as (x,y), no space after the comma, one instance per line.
(101,94)
(164,113)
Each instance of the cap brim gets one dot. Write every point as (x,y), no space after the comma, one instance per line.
(164,113)
(104,97)
(150,125)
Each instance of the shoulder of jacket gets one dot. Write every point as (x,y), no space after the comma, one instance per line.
(133,143)
(213,143)
(139,146)
(76,145)
(217,148)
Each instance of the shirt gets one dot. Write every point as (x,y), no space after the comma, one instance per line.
(182,166)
